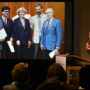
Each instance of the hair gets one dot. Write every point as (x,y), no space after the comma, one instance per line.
(84,77)
(49,9)
(36,5)
(51,84)
(56,70)
(21,9)
(20,73)
(5,8)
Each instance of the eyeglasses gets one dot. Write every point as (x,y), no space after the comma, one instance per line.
(6,11)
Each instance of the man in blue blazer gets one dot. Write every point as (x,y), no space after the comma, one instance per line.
(7,25)
(51,36)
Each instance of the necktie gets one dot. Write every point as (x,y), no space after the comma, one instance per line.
(47,24)
(5,22)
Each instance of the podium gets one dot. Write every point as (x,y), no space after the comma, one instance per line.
(61,59)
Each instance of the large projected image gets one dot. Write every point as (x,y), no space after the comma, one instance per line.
(29,10)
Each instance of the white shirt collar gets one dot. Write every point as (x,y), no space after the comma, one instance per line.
(4,18)
(51,20)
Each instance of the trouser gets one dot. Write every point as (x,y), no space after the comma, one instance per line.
(46,55)
(36,50)
(21,52)
(0,50)
(6,53)
(0,54)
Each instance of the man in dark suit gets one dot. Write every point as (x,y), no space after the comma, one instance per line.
(7,24)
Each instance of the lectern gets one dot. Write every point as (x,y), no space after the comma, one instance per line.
(61,59)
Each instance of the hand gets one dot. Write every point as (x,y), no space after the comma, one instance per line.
(18,43)
(1,40)
(41,46)
(29,42)
(57,48)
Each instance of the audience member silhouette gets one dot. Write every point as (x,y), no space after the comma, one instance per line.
(20,76)
(38,71)
(56,70)
(54,84)
(84,77)
(51,84)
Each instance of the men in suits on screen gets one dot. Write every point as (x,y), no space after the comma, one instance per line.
(51,36)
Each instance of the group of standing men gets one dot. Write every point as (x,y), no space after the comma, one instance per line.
(47,32)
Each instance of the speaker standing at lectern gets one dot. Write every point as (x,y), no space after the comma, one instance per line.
(52,33)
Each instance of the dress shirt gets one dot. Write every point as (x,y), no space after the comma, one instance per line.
(4,18)
(49,21)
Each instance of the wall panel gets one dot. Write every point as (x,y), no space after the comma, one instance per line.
(59,8)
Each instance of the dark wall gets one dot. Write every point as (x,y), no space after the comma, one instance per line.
(68,38)
(81,28)
(77,28)
(85,27)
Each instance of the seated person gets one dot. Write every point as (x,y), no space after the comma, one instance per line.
(54,84)
(84,77)
(20,76)
(56,70)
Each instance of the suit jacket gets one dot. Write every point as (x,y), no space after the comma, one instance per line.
(1,26)
(8,28)
(34,25)
(53,36)
(9,31)
(19,33)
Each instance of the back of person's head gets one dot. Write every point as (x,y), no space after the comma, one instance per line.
(56,70)
(84,77)
(51,84)
(37,5)
(5,8)
(20,73)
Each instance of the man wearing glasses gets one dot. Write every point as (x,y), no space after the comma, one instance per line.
(7,25)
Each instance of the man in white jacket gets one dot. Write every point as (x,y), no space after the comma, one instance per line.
(36,24)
